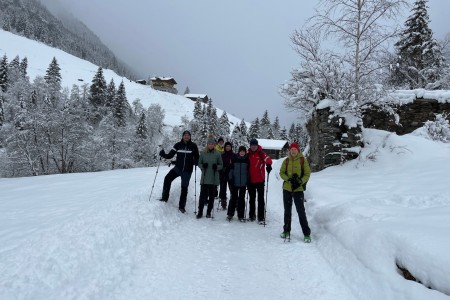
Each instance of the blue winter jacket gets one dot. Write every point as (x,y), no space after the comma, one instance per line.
(239,171)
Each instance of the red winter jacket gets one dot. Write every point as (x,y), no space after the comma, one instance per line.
(258,160)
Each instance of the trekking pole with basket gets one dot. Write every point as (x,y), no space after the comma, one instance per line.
(265,204)
(156,175)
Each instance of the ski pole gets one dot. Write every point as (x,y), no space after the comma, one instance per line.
(265,204)
(195,189)
(246,203)
(157,169)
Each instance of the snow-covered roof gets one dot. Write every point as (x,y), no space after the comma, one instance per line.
(272,144)
(163,79)
(196,96)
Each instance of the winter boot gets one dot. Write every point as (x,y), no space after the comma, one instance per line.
(307,239)
(229,218)
(182,210)
(285,235)
(199,214)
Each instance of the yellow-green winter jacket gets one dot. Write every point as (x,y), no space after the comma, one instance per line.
(294,166)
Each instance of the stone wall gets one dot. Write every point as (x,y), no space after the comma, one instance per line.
(411,116)
(331,141)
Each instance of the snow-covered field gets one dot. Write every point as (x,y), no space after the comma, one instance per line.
(97,235)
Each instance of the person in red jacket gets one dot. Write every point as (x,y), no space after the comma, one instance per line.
(258,159)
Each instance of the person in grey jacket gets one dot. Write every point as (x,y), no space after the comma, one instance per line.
(239,171)
(210,162)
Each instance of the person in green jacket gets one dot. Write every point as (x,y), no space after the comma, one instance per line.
(210,162)
(295,172)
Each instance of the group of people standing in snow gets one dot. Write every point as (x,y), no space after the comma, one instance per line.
(240,172)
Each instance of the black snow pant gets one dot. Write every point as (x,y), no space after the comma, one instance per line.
(185,178)
(237,197)
(298,198)
(252,189)
(224,181)
(206,195)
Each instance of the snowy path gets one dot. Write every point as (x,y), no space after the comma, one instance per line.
(114,243)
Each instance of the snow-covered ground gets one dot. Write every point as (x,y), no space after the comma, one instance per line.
(97,235)
(74,69)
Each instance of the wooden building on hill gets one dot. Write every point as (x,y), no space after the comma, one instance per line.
(198,97)
(276,149)
(164,84)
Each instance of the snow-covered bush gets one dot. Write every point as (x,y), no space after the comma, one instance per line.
(438,129)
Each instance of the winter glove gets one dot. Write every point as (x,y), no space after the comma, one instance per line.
(214,167)
(268,168)
(205,166)
(295,182)
(162,153)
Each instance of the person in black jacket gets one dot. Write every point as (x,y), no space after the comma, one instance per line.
(239,172)
(187,159)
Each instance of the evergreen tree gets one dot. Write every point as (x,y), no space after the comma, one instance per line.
(98,89)
(292,134)
(23,67)
(243,128)
(198,111)
(224,125)
(120,106)
(155,120)
(419,57)
(110,94)
(53,80)
(141,130)
(270,135)
(187,90)
(276,128)
(214,122)
(264,126)
(14,70)
(253,131)
(4,74)
(237,138)
(283,134)
(2,115)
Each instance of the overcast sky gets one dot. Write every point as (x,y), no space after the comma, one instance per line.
(236,51)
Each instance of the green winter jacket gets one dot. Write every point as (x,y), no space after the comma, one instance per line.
(209,176)
(294,166)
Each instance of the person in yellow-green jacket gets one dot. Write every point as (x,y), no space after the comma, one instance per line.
(295,172)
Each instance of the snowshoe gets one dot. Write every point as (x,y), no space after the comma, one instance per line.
(307,239)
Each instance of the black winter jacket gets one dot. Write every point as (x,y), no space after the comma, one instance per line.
(187,155)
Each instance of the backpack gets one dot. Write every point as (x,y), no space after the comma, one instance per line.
(302,162)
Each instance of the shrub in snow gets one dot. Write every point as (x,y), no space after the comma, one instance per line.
(438,129)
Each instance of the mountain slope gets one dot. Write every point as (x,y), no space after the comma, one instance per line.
(77,71)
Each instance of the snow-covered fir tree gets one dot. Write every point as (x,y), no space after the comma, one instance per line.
(120,106)
(253,131)
(419,63)
(276,128)
(264,125)
(237,138)
(214,123)
(224,126)
(98,89)
(284,134)
(14,70)
(187,90)
(23,67)
(4,74)
(110,93)
(53,80)
(244,129)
